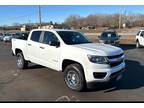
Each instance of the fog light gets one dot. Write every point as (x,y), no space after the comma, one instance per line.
(99,75)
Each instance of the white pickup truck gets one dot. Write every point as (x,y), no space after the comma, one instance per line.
(69,51)
(140,39)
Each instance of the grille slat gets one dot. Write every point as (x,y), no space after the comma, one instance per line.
(115,56)
(116,63)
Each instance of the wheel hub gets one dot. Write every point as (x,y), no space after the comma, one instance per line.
(19,61)
(72,78)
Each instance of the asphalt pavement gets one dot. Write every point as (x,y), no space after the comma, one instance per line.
(38,83)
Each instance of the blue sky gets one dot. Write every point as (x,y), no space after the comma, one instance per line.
(28,13)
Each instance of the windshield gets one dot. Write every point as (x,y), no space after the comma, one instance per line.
(72,37)
(109,35)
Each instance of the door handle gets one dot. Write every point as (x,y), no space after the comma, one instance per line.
(29,45)
(42,47)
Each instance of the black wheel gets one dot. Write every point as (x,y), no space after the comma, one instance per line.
(74,77)
(21,62)
(137,44)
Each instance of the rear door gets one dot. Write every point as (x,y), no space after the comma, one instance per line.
(49,55)
(33,46)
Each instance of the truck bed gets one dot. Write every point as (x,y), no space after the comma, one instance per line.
(19,44)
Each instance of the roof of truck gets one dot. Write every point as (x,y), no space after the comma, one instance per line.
(53,29)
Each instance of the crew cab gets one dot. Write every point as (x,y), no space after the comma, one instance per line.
(71,52)
(140,39)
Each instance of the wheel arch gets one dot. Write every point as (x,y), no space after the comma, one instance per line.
(17,50)
(67,62)
(137,40)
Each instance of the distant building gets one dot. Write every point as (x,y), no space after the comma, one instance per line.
(24,28)
(46,27)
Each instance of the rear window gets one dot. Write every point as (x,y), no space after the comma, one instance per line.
(142,33)
(35,36)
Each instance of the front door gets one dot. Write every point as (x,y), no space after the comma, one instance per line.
(50,55)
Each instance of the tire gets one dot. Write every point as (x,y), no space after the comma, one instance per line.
(74,77)
(137,44)
(21,62)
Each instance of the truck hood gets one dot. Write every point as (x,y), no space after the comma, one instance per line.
(108,50)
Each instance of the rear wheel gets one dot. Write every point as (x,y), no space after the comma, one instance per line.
(21,62)
(74,77)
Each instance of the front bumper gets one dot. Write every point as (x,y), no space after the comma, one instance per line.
(110,73)
(111,42)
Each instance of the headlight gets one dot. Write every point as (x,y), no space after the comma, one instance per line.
(98,59)
(101,41)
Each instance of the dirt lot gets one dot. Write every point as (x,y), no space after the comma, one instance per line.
(38,83)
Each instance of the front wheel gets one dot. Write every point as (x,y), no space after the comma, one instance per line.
(74,77)
(21,62)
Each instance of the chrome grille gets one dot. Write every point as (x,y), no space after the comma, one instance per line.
(115,60)
(115,56)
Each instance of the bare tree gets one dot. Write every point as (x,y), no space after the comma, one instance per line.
(105,20)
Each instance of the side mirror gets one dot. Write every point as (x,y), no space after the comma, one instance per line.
(119,36)
(99,37)
(54,43)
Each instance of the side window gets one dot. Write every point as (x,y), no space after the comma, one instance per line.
(138,33)
(35,36)
(49,37)
(142,33)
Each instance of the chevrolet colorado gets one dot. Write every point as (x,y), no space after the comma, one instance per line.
(71,52)
(140,39)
